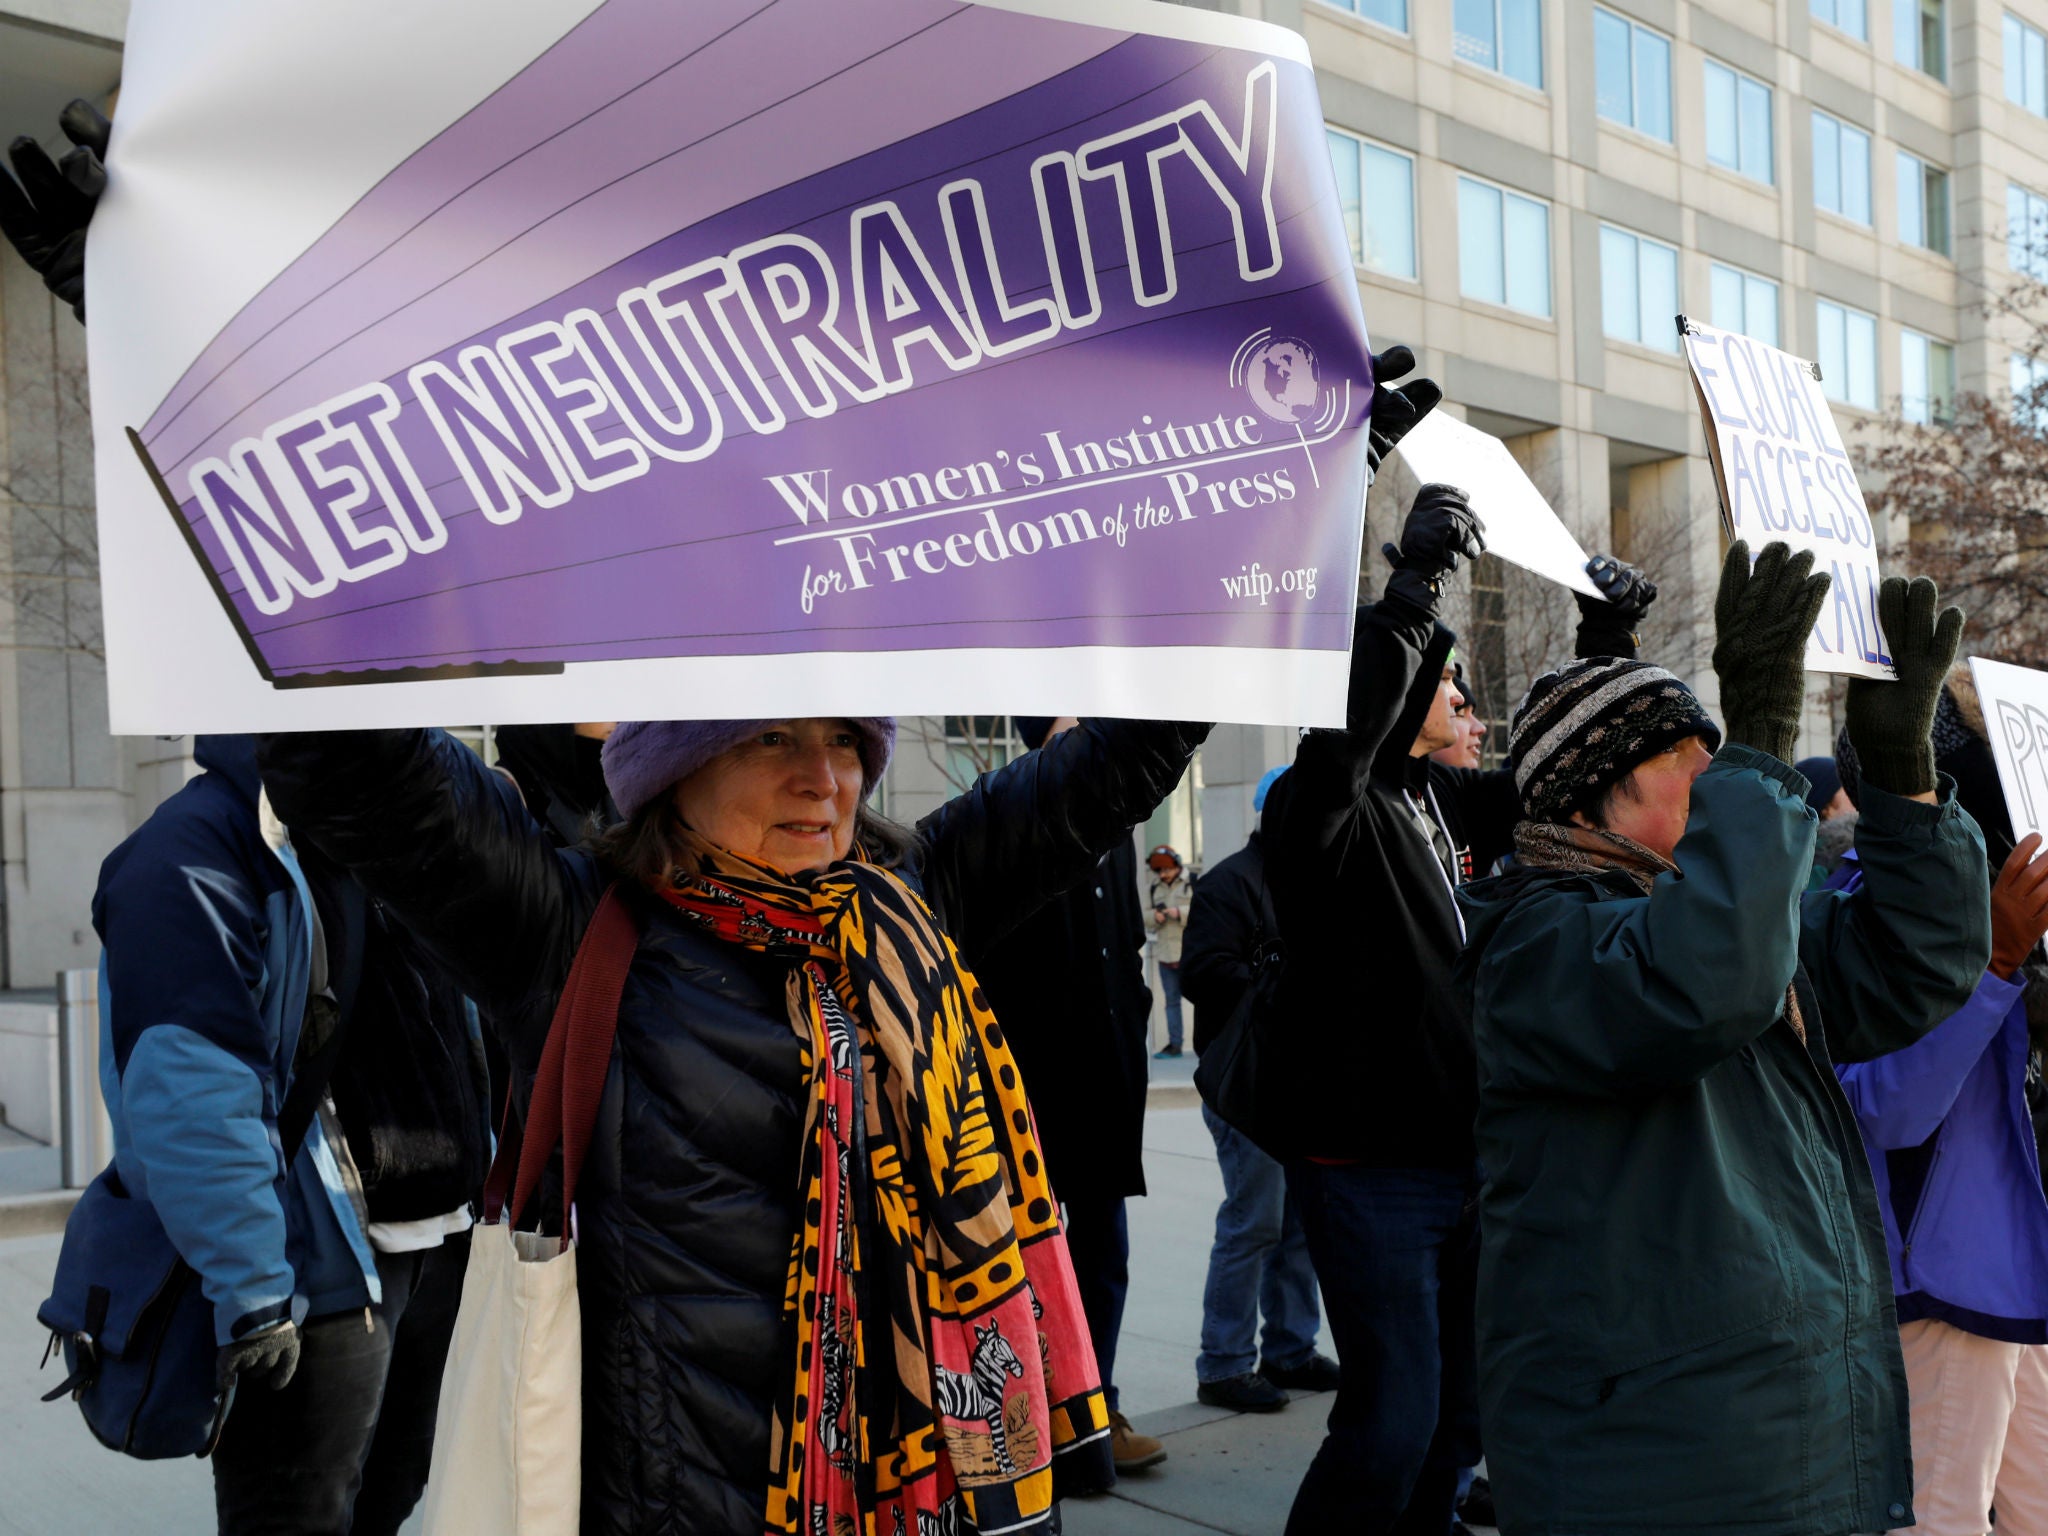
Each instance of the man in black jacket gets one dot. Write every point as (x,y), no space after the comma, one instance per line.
(1375,1048)
(1259,1258)
(1069,985)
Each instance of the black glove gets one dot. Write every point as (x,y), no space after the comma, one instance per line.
(269,1355)
(1608,623)
(1441,529)
(1892,724)
(1761,620)
(45,213)
(1395,411)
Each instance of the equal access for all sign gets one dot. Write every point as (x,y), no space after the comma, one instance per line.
(1784,475)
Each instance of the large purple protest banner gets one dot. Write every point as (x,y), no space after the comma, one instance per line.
(807,349)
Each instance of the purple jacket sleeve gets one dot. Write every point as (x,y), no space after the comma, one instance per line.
(1902,1098)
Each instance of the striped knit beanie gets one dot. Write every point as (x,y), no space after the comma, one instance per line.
(1586,726)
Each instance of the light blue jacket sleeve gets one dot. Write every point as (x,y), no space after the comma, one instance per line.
(202,965)
(1901,1099)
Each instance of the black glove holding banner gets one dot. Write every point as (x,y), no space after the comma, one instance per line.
(46,205)
(1395,411)
(1608,623)
(269,1356)
(1441,530)
(1891,725)
(1761,620)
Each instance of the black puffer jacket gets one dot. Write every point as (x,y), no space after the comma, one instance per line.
(687,1204)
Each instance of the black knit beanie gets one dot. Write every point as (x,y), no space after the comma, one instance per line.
(1587,726)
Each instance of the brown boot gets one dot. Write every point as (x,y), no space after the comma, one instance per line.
(1131,1451)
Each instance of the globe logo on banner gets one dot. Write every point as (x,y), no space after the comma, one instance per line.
(1284,380)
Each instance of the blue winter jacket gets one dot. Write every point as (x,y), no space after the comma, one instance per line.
(1958,1176)
(207,957)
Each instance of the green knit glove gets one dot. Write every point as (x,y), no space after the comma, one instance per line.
(1761,620)
(1891,725)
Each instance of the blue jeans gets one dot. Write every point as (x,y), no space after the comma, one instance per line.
(1397,1253)
(1169,983)
(1259,1262)
(1099,1247)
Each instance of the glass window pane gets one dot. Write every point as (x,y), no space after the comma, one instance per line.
(1834,351)
(2015,60)
(1659,284)
(1934,201)
(1755,101)
(1827,164)
(1906,32)
(1760,309)
(1862,330)
(2037,72)
(1912,211)
(1390,212)
(1614,95)
(1521,40)
(1723,148)
(1854,19)
(1344,161)
(1472,24)
(1913,377)
(1725,298)
(1388,13)
(1528,255)
(2015,228)
(1653,85)
(1479,243)
(1619,306)
(1855,175)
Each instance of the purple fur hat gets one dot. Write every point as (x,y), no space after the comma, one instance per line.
(644,757)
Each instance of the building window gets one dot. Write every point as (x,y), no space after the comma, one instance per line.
(1927,378)
(2026,65)
(1633,65)
(1376,189)
(1848,355)
(2026,232)
(1388,13)
(1920,35)
(1841,168)
(1848,16)
(1638,289)
(2029,376)
(1503,247)
(1745,302)
(1738,122)
(1503,35)
(1923,204)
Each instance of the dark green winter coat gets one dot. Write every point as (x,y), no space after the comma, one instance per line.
(1685,1314)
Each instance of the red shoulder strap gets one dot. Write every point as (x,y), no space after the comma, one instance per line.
(573,1065)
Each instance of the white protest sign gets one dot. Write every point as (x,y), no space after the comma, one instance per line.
(2016,715)
(1785,477)
(1520,526)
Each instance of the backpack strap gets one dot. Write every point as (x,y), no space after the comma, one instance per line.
(573,1066)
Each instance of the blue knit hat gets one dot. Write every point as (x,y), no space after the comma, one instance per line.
(644,757)
(1265,788)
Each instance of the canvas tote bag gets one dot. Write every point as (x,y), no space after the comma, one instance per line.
(508,1438)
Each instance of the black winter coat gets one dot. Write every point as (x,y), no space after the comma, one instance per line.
(1368,1032)
(1231,915)
(688,1203)
(1069,986)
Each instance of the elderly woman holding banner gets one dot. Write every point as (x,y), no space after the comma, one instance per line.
(822,1273)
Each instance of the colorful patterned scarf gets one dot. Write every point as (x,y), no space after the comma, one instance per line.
(944,1371)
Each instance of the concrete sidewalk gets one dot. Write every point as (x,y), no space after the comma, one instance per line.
(1224,1473)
